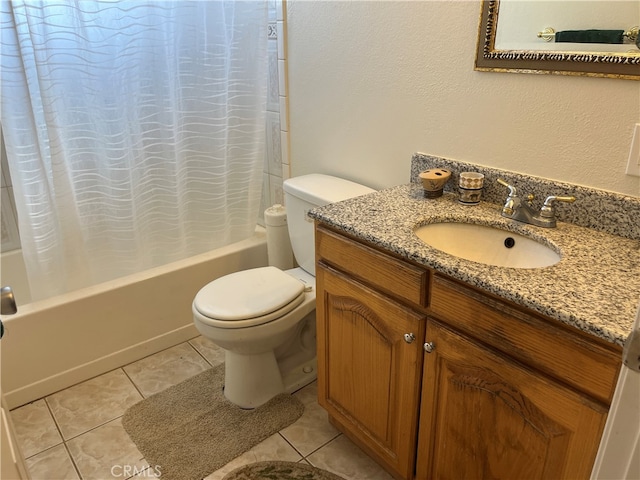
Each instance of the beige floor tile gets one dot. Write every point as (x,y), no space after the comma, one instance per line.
(106,452)
(312,430)
(273,448)
(35,429)
(165,369)
(343,458)
(54,463)
(88,415)
(92,403)
(209,350)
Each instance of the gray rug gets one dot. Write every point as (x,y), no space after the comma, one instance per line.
(280,471)
(191,430)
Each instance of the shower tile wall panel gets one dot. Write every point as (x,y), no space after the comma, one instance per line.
(4,168)
(273,147)
(273,10)
(284,93)
(277,163)
(8,217)
(272,90)
(10,236)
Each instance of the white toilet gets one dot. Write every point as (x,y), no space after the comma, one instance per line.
(264,318)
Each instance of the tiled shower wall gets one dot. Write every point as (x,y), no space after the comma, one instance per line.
(276,161)
(276,164)
(8,219)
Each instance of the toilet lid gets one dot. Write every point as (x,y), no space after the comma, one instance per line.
(250,294)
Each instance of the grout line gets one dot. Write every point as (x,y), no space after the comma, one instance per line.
(302,457)
(199,352)
(42,451)
(323,445)
(92,428)
(55,421)
(133,383)
(73,460)
(187,343)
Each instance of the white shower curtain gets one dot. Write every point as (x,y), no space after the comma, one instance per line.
(134,131)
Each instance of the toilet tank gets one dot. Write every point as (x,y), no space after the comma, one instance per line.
(305,193)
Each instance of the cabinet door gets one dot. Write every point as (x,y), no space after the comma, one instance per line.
(483,415)
(368,374)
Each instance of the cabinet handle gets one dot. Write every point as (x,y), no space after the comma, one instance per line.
(409,337)
(429,347)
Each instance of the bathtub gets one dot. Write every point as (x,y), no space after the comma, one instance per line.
(54,343)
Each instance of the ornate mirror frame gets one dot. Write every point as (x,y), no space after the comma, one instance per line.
(591,64)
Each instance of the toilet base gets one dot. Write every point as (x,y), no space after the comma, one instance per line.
(300,376)
(251,380)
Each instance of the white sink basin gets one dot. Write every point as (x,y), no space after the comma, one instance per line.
(488,245)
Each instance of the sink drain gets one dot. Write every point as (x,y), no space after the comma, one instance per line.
(509,242)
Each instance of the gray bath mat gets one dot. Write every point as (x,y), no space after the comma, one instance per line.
(191,430)
(280,471)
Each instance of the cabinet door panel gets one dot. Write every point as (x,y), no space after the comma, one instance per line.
(487,416)
(373,387)
(361,349)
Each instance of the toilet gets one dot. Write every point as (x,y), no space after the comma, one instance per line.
(264,318)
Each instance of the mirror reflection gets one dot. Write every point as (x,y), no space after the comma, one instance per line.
(551,25)
(568,37)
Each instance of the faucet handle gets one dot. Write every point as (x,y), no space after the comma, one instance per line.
(512,199)
(552,198)
(513,193)
(512,189)
(548,209)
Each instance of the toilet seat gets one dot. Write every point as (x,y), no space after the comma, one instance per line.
(248,298)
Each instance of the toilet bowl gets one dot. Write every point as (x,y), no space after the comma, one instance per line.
(264,318)
(253,315)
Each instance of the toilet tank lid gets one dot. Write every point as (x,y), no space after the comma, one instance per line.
(319,189)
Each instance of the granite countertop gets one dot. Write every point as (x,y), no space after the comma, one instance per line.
(595,286)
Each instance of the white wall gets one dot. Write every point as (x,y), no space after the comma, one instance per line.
(372,82)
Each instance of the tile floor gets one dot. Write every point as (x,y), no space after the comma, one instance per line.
(77,433)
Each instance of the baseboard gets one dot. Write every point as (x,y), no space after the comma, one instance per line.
(55,383)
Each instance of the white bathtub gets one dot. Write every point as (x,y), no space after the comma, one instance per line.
(55,343)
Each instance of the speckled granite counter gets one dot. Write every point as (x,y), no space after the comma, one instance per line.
(595,287)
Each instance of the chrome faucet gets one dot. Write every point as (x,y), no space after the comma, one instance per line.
(516,209)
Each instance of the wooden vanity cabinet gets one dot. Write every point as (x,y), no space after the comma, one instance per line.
(369,373)
(508,393)
(502,393)
(486,416)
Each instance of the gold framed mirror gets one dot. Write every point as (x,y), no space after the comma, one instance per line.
(623,65)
